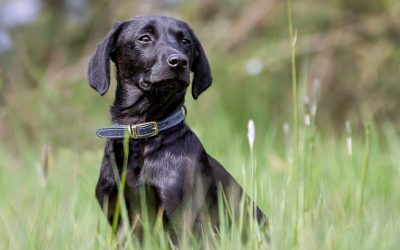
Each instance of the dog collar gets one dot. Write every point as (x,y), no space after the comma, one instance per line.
(143,130)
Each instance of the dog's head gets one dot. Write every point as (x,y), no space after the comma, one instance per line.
(151,53)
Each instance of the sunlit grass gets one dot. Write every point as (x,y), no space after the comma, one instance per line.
(64,213)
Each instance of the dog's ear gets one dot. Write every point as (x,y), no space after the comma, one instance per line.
(201,69)
(99,64)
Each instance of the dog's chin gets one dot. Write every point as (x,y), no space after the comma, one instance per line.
(165,86)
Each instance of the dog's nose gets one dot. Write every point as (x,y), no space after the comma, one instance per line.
(177,61)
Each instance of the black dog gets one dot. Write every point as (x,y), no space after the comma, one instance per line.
(154,57)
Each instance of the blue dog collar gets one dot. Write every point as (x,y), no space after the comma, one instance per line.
(143,130)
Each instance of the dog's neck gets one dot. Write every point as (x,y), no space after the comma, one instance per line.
(133,105)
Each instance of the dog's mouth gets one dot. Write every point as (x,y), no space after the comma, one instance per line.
(172,85)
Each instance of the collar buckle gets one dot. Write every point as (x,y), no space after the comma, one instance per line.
(143,130)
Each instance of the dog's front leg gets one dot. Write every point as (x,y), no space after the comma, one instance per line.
(106,188)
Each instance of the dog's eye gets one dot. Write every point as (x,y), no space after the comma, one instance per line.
(145,39)
(186,41)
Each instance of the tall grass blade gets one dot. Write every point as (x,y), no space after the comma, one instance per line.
(296,164)
(366,164)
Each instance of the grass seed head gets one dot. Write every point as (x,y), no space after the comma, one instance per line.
(251,133)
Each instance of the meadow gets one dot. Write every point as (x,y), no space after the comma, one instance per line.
(322,185)
(338,201)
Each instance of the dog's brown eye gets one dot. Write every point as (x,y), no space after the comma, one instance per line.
(186,41)
(145,39)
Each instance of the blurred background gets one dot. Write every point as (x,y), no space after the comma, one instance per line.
(348,61)
(348,71)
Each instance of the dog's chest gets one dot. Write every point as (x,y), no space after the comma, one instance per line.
(150,164)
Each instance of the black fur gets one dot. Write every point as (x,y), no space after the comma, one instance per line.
(154,57)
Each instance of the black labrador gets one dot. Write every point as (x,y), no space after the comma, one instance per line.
(154,57)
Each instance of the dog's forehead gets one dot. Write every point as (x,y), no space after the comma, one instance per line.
(154,23)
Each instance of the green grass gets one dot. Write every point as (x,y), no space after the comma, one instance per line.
(63,213)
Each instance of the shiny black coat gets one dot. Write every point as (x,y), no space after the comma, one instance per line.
(154,57)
